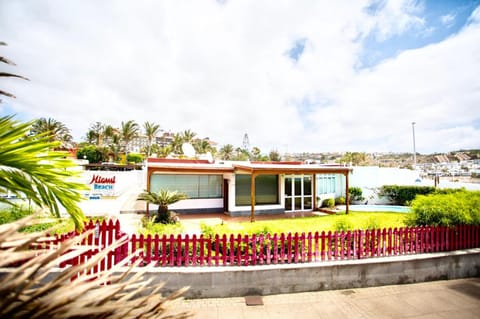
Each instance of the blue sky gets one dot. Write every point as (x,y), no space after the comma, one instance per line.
(441,19)
(297,76)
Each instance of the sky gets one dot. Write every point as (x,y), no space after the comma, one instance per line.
(295,76)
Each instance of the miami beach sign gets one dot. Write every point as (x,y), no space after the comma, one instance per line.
(102,185)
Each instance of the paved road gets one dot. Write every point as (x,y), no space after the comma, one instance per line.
(440,299)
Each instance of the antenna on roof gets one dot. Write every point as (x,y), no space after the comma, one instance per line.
(188,150)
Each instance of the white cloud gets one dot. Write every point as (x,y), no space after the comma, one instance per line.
(448,19)
(220,69)
(397,17)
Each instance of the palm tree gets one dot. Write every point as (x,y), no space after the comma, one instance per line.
(242,154)
(5,74)
(90,137)
(98,129)
(202,146)
(151,131)
(164,151)
(128,132)
(29,168)
(176,144)
(163,199)
(226,152)
(55,130)
(188,136)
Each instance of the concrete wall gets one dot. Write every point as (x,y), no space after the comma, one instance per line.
(216,282)
(213,282)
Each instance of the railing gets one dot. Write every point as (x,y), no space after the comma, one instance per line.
(245,250)
(300,248)
(102,235)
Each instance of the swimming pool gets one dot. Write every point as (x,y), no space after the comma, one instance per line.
(378,208)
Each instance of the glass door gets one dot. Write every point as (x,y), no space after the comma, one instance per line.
(298,193)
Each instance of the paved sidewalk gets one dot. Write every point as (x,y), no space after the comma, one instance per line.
(439,299)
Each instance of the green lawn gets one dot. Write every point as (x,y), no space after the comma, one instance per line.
(354,220)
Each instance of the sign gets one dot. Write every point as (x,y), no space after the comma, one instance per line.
(102,185)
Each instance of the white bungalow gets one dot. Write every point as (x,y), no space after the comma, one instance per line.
(247,188)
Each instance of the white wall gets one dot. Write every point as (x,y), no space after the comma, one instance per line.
(370,178)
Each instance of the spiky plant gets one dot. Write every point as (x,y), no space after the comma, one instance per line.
(33,290)
(163,199)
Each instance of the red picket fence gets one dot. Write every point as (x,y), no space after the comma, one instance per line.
(238,250)
(103,234)
(300,248)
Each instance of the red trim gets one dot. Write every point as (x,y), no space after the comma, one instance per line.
(176,160)
(279,163)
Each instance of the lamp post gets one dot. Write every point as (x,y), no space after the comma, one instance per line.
(414,150)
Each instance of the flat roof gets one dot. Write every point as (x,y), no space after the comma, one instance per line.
(182,165)
(269,168)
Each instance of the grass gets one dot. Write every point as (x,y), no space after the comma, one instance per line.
(150,227)
(354,220)
(41,223)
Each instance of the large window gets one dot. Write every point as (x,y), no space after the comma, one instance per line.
(195,186)
(326,184)
(266,189)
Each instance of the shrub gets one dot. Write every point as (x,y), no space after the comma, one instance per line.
(372,223)
(329,202)
(207,230)
(342,223)
(355,194)
(92,153)
(456,208)
(340,200)
(151,227)
(14,213)
(403,195)
(134,158)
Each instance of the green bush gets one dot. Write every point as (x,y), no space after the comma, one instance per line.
(403,195)
(342,224)
(150,227)
(13,213)
(455,208)
(134,158)
(340,200)
(92,153)
(372,223)
(355,194)
(329,202)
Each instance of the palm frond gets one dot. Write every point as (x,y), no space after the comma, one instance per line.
(28,167)
(34,291)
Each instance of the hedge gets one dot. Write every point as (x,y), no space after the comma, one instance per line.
(450,209)
(403,195)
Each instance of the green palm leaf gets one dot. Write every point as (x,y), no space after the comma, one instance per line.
(29,168)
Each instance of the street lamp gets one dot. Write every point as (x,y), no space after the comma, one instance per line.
(414,151)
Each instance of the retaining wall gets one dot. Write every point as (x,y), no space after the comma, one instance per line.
(214,282)
(218,282)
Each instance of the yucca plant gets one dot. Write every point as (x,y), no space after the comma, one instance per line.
(163,199)
(32,290)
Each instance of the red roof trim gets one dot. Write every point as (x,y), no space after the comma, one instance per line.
(176,161)
(277,163)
